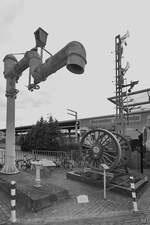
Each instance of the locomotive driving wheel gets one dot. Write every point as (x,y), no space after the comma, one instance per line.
(125,149)
(100,146)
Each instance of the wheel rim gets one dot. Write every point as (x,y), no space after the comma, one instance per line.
(125,149)
(100,146)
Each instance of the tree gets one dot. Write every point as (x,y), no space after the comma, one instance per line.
(44,135)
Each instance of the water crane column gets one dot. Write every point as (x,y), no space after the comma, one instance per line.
(10,167)
(73,56)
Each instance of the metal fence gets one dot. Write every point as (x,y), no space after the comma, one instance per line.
(51,155)
(19,155)
(2,156)
(70,159)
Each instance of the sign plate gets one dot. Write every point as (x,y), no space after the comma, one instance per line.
(82,199)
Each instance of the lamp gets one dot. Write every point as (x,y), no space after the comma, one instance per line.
(40,37)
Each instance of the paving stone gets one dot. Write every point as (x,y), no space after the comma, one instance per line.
(4,208)
(69,209)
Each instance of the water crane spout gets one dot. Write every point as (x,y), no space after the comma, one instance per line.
(73,56)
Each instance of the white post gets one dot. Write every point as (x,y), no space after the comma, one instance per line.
(38,178)
(13,202)
(133,192)
(10,155)
(104,184)
(105,167)
(76,127)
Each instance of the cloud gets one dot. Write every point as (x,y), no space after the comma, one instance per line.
(2,90)
(9,11)
(25,99)
(2,104)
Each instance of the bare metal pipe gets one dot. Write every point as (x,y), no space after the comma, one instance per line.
(9,65)
(73,56)
(23,64)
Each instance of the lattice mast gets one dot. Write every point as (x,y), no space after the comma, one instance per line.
(119,82)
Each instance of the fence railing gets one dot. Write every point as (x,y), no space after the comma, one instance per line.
(69,159)
(19,155)
(2,156)
(51,155)
(61,158)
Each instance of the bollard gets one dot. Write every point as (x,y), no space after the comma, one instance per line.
(135,208)
(13,202)
(105,167)
(38,178)
(104,184)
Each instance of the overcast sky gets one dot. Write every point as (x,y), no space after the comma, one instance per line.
(94,23)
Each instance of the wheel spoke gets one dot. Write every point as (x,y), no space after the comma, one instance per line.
(86,145)
(89,139)
(109,143)
(104,160)
(101,135)
(98,136)
(108,155)
(107,159)
(104,139)
(109,150)
(95,136)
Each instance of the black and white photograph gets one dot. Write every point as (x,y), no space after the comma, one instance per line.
(74,112)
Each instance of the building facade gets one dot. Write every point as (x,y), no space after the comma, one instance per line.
(134,125)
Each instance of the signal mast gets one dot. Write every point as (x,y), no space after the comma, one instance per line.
(121,87)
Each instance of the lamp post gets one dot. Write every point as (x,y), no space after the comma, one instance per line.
(75,114)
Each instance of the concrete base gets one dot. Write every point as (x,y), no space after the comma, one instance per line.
(7,169)
(114,181)
(30,197)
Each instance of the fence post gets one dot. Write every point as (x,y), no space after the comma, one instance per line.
(135,208)
(13,202)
